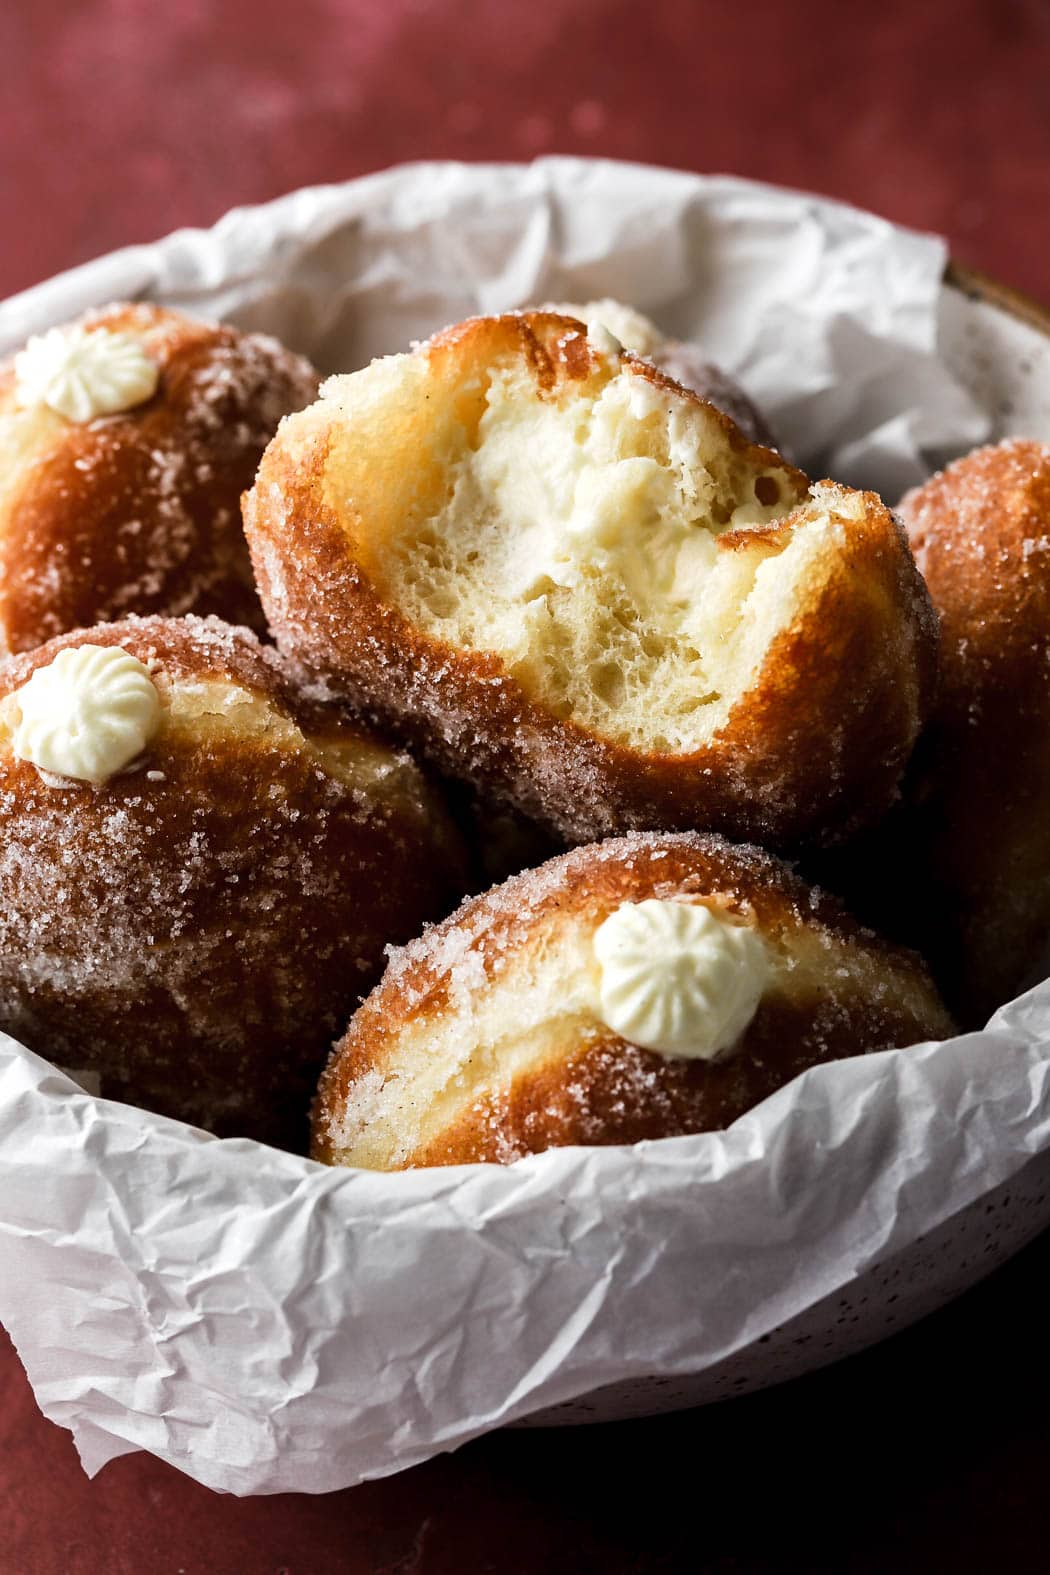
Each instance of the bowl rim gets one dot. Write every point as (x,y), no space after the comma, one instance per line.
(984,287)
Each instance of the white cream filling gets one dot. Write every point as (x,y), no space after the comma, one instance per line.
(585,505)
(678,978)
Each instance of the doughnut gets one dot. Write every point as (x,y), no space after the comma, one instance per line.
(199,869)
(126,440)
(976,822)
(649,986)
(684,362)
(568,580)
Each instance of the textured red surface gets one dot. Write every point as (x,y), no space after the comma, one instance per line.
(121,119)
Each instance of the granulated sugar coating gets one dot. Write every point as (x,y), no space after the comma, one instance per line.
(571,581)
(198,928)
(485,1039)
(976,838)
(140,512)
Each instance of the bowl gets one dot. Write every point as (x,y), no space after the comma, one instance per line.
(146,1270)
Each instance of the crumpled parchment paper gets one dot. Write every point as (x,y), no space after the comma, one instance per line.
(268,1325)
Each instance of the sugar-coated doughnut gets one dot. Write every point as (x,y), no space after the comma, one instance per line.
(565,577)
(644,987)
(681,360)
(126,440)
(977,829)
(199,869)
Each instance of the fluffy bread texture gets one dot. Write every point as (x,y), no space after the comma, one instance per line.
(976,826)
(140,512)
(483,1041)
(198,928)
(570,580)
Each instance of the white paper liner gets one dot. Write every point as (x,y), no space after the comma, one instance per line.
(826,314)
(271,1325)
(268,1325)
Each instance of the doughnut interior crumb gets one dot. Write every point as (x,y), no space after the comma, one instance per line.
(573,528)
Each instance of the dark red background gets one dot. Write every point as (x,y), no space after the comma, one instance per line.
(121,119)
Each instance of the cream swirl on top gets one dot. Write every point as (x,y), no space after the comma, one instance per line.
(82,373)
(678,978)
(87,714)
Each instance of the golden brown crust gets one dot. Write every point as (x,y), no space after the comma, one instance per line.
(844,992)
(610,1091)
(812,751)
(196,929)
(976,826)
(140,512)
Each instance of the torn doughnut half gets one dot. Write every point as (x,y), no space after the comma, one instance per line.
(650,986)
(565,577)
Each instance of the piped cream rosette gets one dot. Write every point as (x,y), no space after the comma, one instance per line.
(86,715)
(82,373)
